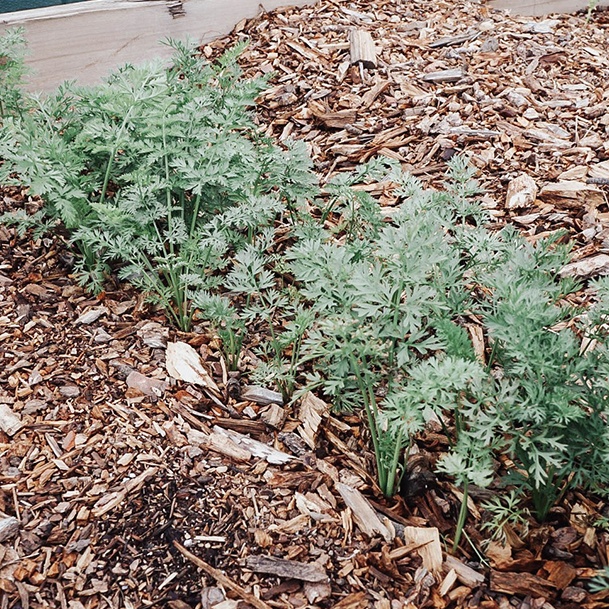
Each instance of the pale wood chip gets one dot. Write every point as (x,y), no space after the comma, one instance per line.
(364,515)
(184,363)
(466,574)
(430,549)
(310,413)
(10,422)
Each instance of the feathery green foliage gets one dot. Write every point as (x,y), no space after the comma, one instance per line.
(163,176)
(12,72)
(160,171)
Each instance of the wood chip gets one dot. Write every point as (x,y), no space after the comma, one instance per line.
(257,449)
(310,413)
(430,550)
(521,192)
(363,514)
(88,317)
(291,569)
(338,119)
(261,395)
(571,194)
(599,170)
(447,583)
(146,385)
(274,416)
(521,583)
(184,363)
(10,422)
(453,75)
(9,527)
(362,49)
(559,573)
(587,267)
(220,443)
(466,574)
(318,591)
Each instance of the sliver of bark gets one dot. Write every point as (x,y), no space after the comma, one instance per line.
(525,584)
(291,569)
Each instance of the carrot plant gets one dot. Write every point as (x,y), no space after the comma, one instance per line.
(160,173)
(386,338)
(555,411)
(12,72)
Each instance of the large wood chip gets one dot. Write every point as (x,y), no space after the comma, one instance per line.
(338,120)
(599,170)
(219,442)
(587,267)
(146,385)
(257,449)
(447,583)
(521,192)
(572,194)
(452,75)
(465,574)
(364,515)
(521,583)
(9,527)
(291,569)
(183,363)
(261,395)
(430,548)
(560,573)
(88,317)
(310,413)
(10,422)
(547,137)
(362,49)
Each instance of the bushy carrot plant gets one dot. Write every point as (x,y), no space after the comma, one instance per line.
(159,172)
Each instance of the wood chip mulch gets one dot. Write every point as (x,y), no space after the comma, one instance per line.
(123,488)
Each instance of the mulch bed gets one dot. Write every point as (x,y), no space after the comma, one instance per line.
(113,492)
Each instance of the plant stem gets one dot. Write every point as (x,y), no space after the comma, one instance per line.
(395,302)
(372,420)
(195,215)
(393,467)
(462,517)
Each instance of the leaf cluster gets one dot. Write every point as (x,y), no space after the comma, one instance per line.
(160,173)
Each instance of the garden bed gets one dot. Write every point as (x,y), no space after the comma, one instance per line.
(117,501)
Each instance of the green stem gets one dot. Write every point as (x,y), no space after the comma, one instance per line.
(176,284)
(393,468)
(366,392)
(491,358)
(395,302)
(110,164)
(167,305)
(462,517)
(195,214)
